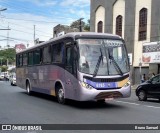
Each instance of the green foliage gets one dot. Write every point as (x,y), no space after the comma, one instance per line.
(3,68)
(76,24)
(7,54)
(85,26)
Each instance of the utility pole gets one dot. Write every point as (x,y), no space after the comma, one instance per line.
(34,35)
(8,36)
(3,9)
(80,24)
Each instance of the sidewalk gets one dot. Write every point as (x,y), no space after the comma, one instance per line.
(133,87)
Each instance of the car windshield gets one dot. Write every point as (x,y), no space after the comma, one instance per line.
(102,57)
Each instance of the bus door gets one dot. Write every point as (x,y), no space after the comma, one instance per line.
(70,79)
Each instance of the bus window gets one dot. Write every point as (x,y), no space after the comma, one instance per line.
(47,55)
(25,59)
(20,60)
(30,58)
(58,50)
(37,57)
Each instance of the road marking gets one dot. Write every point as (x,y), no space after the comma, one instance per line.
(138,104)
(127,102)
(152,107)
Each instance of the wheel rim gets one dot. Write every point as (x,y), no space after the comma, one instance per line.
(28,88)
(141,95)
(61,95)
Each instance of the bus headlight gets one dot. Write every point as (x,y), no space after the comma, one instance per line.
(127,84)
(85,85)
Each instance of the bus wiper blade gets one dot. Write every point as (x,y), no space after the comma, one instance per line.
(115,63)
(98,64)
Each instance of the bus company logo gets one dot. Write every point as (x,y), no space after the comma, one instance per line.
(6,127)
(109,85)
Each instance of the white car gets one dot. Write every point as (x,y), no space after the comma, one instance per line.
(1,77)
(13,79)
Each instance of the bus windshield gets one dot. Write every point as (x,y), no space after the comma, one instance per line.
(102,57)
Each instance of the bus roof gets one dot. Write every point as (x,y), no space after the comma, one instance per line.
(73,35)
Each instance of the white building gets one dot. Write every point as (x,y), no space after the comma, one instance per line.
(137,21)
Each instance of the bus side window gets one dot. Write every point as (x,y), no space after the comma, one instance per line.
(20,60)
(47,55)
(25,58)
(36,57)
(58,50)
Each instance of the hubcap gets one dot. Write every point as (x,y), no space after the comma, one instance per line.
(28,89)
(61,95)
(141,95)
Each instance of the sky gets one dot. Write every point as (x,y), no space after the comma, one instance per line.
(22,15)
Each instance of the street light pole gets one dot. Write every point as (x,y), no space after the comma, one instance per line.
(3,9)
(80,24)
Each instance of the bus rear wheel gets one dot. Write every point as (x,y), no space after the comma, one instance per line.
(28,88)
(60,95)
(101,101)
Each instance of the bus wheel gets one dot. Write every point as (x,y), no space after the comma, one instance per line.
(28,88)
(101,101)
(60,95)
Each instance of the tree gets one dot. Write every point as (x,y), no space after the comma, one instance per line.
(8,55)
(76,24)
(87,26)
(3,68)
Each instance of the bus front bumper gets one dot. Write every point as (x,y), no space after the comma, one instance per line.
(85,94)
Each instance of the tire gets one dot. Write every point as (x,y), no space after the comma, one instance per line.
(101,101)
(60,95)
(142,96)
(28,88)
(11,83)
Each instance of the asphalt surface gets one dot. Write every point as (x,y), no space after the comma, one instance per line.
(16,107)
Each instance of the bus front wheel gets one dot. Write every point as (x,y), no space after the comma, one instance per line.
(60,95)
(28,88)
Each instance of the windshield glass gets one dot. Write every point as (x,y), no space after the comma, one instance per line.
(102,57)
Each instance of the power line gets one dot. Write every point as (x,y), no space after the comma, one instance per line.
(26,32)
(29,28)
(15,38)
(30,20)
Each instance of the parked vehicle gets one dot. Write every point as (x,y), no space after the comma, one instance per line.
(1,76)
(13,79)
(149,89)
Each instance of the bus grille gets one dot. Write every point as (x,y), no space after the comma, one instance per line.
(108,88)
(104,95)
(106,79)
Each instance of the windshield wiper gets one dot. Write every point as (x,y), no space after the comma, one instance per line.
(98,64)
(115,63)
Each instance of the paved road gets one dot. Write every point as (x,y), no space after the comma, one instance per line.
(17,107)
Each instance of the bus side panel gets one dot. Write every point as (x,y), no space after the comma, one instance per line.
(21,77)
(71,86)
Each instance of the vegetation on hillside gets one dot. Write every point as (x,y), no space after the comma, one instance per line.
(7,55)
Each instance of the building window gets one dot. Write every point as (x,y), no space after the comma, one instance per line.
(119,25)
(143,24)
(100,26)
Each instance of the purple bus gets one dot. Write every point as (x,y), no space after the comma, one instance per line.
(81,66)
